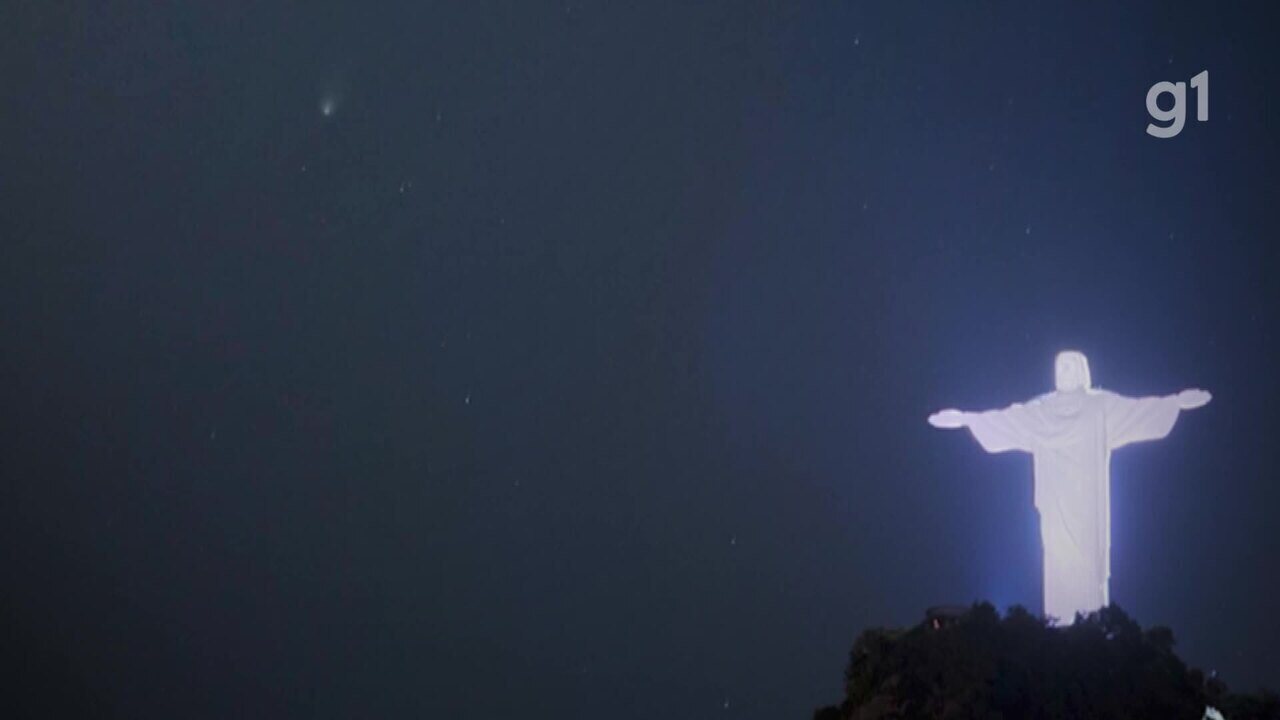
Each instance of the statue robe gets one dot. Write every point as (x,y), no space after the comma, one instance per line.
(1070,436)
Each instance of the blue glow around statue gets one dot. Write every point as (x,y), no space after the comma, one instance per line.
(1070,433)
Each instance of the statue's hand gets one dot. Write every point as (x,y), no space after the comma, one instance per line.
(1193,398)
(947,419)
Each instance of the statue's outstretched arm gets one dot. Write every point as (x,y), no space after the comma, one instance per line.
(996,430)
(1193,398)
(949,418)
(1131,420)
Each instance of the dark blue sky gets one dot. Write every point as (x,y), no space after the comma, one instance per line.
(577,363)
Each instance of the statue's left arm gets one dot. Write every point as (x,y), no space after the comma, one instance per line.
(1131,420)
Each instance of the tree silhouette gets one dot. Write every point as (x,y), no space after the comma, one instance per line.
(975,664)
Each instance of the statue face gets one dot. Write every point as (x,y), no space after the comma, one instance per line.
(1071,371)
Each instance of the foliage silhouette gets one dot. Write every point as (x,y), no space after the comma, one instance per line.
(979,665)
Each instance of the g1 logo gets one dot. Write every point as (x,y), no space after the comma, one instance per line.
(1176,115)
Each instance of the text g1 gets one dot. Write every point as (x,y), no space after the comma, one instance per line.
(1176,115)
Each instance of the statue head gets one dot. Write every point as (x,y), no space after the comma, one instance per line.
(1071,371)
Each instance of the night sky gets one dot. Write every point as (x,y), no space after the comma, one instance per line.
(476,360)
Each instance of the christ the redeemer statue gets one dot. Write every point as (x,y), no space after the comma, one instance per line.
(1070,433)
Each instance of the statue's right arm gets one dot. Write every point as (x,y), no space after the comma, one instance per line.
(1012,428)
(949,419)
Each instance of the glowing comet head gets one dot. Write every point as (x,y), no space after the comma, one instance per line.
(333,93)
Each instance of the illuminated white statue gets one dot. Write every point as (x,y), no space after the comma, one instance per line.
(1070,433)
